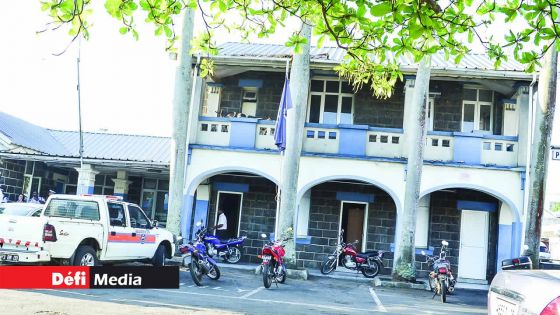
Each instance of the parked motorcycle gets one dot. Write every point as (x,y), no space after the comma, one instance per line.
(229,250)
(441,278)
(201,263)
(273,268)
(347,255)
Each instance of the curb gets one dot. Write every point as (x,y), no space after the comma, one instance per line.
(402,285)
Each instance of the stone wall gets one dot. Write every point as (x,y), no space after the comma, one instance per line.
(445,224)
(11,177)
(324,221)
(258,213)
(379,112)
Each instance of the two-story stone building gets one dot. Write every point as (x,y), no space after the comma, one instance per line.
(353,165)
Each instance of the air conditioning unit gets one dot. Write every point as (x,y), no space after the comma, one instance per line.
(249,96)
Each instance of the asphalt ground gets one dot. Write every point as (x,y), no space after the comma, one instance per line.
(240,291)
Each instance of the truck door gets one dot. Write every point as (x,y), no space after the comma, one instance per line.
(145,245)
(121,234)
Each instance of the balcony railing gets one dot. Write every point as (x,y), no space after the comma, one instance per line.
(362,141)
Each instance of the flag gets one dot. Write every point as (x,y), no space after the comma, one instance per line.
(280,128)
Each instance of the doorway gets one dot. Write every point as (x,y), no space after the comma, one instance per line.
(230,203)
(473,251)
(353,219)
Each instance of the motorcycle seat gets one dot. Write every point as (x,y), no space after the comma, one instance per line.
(368,254)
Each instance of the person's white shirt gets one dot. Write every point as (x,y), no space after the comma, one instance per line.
(223,221)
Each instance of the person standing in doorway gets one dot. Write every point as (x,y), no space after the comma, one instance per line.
(221,227)
(21,198)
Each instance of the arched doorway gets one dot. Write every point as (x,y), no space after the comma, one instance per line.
(363,210)
(474,222)
(248,201)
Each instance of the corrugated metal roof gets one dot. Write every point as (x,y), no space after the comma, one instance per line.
(103,146)
(471,61)
(106,146)
(30,136)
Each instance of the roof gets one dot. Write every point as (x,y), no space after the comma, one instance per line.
(108,146)
(30,136)
(473,61)
(101,146)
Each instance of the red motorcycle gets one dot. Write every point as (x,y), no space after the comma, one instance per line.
(369,263)
(273,268)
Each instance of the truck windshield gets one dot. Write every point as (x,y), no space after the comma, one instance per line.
(74,209)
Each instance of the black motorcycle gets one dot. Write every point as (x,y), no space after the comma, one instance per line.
(441,278)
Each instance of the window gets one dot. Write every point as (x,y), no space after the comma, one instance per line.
(498,147)
(225,128)
(204,127)
(372,138)
(75,209)
(332,135)
(321,134)
(214,128)
(116,214)
(137,218)
(395,140)
(435,142)
(263,131)
(477,110)
(310,134)
(103,185)
(331,102)
(445,143)
(486,145)
(509,147)
(384,139)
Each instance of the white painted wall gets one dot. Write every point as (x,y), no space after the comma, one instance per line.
(318,145)
(491,153)
(217,137)
(438,152)
(265,137)
(381,149)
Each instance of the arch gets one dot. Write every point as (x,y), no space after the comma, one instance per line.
(486,190)
(379,185)
(216,171)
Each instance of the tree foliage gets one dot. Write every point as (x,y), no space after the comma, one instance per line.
(374,33)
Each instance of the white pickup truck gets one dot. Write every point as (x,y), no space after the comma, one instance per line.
(84,231)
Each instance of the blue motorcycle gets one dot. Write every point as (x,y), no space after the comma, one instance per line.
(201,264)
(229,250)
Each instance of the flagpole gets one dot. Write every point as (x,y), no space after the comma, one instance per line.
(282,154)
(80,107)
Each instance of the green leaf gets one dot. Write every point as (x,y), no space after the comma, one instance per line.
(135,34)
(168,31)
(320,41)
(381,9)
(123,30)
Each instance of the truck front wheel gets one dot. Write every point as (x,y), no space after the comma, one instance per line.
(85,256)
(159,257)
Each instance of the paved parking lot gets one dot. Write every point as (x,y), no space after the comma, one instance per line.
(242,292)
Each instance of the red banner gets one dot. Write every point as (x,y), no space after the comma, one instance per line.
(47,277)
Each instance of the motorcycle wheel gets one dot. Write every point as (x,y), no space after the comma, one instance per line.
(214,272)
(233,255)
(371,272)
(443,290)
(267,280)
(196,275)
(328,266)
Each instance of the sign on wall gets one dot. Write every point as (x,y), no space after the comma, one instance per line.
(555,154)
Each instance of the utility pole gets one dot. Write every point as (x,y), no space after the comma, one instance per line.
(544,117)
(295,123)
(181,107)
(404,262)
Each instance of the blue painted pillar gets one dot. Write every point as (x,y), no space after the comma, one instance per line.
(505,243)
(352,139)
(467,148)
(516,237)
(86,179)
(243,132)
(201,206)
(186,215)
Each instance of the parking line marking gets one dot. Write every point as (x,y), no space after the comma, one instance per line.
(216,288)
(377,301)
(251,293)
(328,307)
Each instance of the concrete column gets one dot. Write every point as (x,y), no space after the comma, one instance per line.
(524,116)
(295,123)
(201,206)
(121,184)
(86,179)
(181,106)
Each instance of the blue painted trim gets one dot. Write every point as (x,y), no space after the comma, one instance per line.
(523,178)
(429,251)
(359,127)
(467,149)
(325,126)
(200,213)
(250,83)
(214,84)
(516,236)
(353,196)
(266,122)
(467,134)
(242,133)
(507,100)
(303,240)
(505,243)
(186,215)
(90,190)
(476,205)
(244,120)
(409,76)
(235,187)
(440,133)
(221,119)
(352,142)
(503,138)
(383,129)
(354,157)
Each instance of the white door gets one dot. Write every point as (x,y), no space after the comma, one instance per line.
(473,251)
